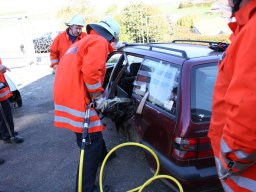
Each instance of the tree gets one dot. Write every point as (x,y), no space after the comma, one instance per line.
(184,29)
(186,24)
(143,23)
(111,10)
(81,7)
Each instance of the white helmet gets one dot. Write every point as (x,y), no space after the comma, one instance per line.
(108,28)
(76,20)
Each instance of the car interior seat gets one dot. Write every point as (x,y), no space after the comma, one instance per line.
(134,68)
(127,82)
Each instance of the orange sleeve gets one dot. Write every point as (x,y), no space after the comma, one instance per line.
(240,129)
(94,65)
(54,52)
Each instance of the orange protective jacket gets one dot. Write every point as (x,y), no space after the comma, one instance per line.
(81,72)
(60,45)
(233,124)
(5,93)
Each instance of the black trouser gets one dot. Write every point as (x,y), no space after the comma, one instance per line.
(93,156)
(8,114)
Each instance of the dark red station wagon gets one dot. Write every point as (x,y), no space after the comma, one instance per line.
(170,89)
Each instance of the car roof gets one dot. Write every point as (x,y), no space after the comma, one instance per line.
(182,50)
(191,50)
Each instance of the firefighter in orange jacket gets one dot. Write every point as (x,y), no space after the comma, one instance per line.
(6,113)
(78,81)
(233,124)
(6,92)
(65,39)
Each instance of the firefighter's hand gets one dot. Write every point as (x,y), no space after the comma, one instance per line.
(54,67)
(120,45)
(100,103)
(3,69)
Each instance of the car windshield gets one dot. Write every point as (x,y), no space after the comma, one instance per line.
(202,83)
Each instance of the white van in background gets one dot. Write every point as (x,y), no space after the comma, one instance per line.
(15,99)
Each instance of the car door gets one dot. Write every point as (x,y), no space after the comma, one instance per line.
(113,59)
(157,120)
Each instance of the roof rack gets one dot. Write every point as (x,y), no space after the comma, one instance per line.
(157,45)
(216,46)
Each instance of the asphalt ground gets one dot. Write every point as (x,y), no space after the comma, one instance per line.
(47,160)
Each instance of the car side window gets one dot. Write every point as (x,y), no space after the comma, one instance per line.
(161,80)
(131,58)
(114,59)
(134,63)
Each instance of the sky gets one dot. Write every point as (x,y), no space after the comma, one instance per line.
(11,6)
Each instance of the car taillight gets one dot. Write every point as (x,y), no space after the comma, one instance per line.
(191,148)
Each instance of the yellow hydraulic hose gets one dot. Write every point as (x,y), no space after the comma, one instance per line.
(156,176)
(83,144)
(81,165)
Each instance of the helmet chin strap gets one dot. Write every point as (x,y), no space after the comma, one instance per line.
(70,30)
(236,6)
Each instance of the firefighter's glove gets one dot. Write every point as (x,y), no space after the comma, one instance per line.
(100,103)
(119,45)
(109,105)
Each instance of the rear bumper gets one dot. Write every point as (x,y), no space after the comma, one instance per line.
(189,176)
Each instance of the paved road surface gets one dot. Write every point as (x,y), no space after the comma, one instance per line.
(47,160)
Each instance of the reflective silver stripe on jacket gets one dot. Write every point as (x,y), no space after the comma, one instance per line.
(94,86)
(95,123)
(54,61)
(5,93)
(72,50)
(93,113)
(234,166)
(73,111)
(76,123)
(68,121)
(239,153)
(226,187)
(223,173)
(241,181)
(244,182)
(70,111)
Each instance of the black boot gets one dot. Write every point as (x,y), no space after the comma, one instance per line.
(15,139)
(15,134)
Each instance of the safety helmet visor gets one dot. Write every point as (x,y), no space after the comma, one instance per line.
(108,28)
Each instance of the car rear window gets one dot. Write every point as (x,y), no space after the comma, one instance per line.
(203,78)
(161,80)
